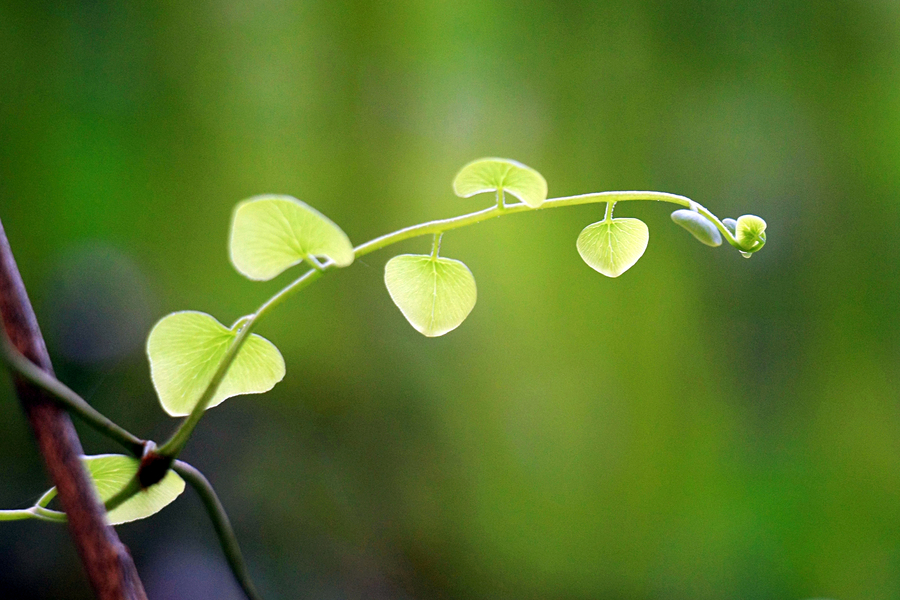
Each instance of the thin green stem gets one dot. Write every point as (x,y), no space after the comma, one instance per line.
(44,500)
(131,488)
(20,364)
(221,524)
(431,227)
(609,211)
(178,440)
(313,262)
(442,225)
(436,246)
(437,227)
(136,446)
(17,515)
(35,512)
(45,514)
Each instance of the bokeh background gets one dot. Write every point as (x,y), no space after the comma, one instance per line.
(703,427)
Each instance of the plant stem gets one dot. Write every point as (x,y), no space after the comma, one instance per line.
(609,210)
(108,564)
(179,439)
(176,443)
(44,500)
(31,372)
(130,489)
(437,227)
(221,524)
(45,514)
(69,399)
(16,515)
(436,246)
(442,225)
(35,512)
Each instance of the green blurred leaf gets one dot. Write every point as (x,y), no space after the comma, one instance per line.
(434,294)
(185,348)
(272,233)
(111,472)
(612,246)
(492,174)
(699,226)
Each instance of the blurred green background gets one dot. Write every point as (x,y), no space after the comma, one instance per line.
(703,427)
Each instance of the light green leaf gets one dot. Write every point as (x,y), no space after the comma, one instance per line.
(185,348)
(492,174)
(699,226)
(750,233)
(434,294)
(111,472)
(272,233)
(612,246)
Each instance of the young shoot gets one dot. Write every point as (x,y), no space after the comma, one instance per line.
(196,362)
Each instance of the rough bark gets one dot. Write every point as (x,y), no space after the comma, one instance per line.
(106,560)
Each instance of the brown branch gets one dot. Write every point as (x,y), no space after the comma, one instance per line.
(107,561)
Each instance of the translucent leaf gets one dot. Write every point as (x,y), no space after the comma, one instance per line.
(186,347)
(434,294)
(750,233)
(111,472)
(272,233)
(730,225)
(492,174)
(612,246)
(699,226)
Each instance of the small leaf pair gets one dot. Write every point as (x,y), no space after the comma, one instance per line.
(437,294)
(269,234)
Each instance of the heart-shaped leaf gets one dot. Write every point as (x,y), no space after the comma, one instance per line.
(185,348)
(434,294)
(111,472)
(699,226)
(612,246)
(272,233)
(492,174)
